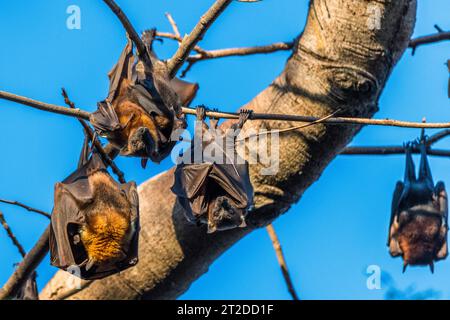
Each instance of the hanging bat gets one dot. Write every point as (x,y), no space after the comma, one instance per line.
(29,289)
(418,226)
(95,221)
(143,106)
(218,195)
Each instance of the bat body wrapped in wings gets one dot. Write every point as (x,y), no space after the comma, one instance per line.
(216,194)
(95,221)
(29,290)
(143,106)
(418,225)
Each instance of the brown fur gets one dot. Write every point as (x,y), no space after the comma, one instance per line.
(132,117)
(420,239)
(107,231)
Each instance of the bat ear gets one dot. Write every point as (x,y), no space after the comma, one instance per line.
(211,228)
(443,252)
(243,224)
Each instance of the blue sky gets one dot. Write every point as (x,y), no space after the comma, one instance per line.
(330,237)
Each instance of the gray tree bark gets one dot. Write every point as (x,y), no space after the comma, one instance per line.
(342,61)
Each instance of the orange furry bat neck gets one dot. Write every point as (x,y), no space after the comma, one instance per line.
(107,231)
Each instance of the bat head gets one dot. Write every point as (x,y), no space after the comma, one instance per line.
(140,144)
(419,238)
(224,215)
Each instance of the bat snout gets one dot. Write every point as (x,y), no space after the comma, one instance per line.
(140,144)
(225,215)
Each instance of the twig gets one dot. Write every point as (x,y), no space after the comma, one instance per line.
(77,113)
(30,262)
(203,54)
(437,37)
(134,36)
(245,51)
(16,203)
(11,234)
(189,41)
(387,150)
(390,150)
(98,146)
(333,120)
(281,261)
(173,24)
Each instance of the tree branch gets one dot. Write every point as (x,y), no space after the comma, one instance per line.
(11,235)
(80,114)
(174,25)
(389,150)
(433,38)
(134,36)
(189,41)
(16,203)
(30,262)
(281,261)
(76,113)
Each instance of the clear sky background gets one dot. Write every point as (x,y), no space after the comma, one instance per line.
(329,238)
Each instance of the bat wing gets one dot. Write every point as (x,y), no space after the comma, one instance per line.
(29,289)
(105,120)
(443,208)
(67,214)
(130,191)
(189,179)
(122,69)
(394,247)
(190,186)
(235,181)
(186,91)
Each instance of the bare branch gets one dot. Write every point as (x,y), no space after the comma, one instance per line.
(76,113)
(390,150)
(281,261)
(172,36)
(189,41)
(30,262)
(245,51)
(98,146)
(173,24)
(437,37)
(332,120)
(11,234)
(16,203)
(134,36)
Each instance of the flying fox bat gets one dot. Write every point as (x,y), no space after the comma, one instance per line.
(216,194)
(418,225)
(143,106)
(29,289)
(95,221)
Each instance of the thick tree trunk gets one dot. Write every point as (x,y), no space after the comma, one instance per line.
(341,61)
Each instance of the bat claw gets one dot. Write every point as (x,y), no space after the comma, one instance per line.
(404,267)
(144,162)
(201,112)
